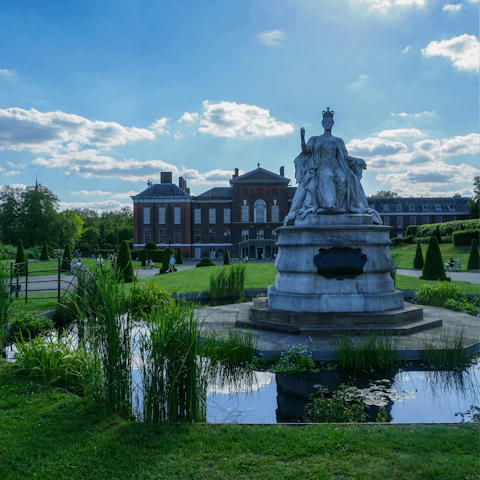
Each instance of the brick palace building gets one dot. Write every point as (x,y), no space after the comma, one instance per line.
(242,218)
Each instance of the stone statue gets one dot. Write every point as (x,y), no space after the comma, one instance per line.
(328,179)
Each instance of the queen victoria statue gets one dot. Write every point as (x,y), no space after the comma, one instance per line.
(328,179)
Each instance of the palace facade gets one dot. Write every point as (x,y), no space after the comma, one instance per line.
(242,218)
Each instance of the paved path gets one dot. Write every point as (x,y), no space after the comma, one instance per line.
(471,277)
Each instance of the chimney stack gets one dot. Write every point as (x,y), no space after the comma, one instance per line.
(182,183)
(236,173)
(282,171)
(165,177)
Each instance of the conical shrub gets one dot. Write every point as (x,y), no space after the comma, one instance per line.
(434,268)
(226,260)
(418,259)
(44,254)
(473,259)
(123,263)
(20,258)
(178,257)
(67,258)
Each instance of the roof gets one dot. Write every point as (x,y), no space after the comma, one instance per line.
(162,190)
(435,205)
(260,175)
(216,192)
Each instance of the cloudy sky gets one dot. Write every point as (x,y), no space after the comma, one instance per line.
(97,97)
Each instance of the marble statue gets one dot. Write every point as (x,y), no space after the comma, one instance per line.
(328,179)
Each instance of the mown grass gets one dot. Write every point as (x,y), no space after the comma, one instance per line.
(411,283)
(45,433)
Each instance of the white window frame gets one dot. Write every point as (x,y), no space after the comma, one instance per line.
(275,213)
(212,216)
(227,215)
(411,208)
(385,208)
(211,233)
(386,221)
(399,207)
(146,235)
(426,220)
(197,216)
(175,234)
(399,222)
(161,215)
(195,238)
(146,215)
(160,240)
(256,217)
(413,220)
(245,235)
(177,215)
(260,234)
(227,236)
(245,213)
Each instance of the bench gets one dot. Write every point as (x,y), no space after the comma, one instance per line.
(457,266)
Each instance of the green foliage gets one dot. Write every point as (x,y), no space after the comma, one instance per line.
(446,229)
(402,241)
(166,259)
(465,237)
(178,257)
(20,258)
(474,258)
(294,361)
(437,234)
(144,297)
(437,295)
(64,314)
(370,353)
(226,260)
(434,268)
(44,254)
(384,194)
(123,263)
(67,258)
(463,305)
(205,262)
(418,259)
(6,299)
(229,282)
(345,405)
(31,325)
(150,246)
(238,349)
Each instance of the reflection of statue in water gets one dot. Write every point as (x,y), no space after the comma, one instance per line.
(328,178)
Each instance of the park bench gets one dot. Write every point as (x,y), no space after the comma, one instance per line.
(457,266)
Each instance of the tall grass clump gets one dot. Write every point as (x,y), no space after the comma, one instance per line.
(6,299)
(237,349)
(437,295)
(229,282)
(370,353)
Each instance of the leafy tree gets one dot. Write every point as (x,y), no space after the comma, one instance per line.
(226,260)
(44,254)
(90,238)
(67,258)
(473,259)
(10,206)
(418,259)
(474,202)
(434,268)
(20,258)
(178,257)
(123,263)
(70,227)
(384,194)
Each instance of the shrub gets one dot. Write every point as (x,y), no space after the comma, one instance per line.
(64,314)
(464,306)
(44,254)
(437,295)
(205,262)
(166,259)
(143,297)
(446,229)
(178,257)
(295,360)
(434,268)
(29,325)
(437,234)
(115,249)
(150,246)
(418,259)
(67,258)
(20,259)
(473,259)
(226,260)
(402,241)
(123,263)
(465,237)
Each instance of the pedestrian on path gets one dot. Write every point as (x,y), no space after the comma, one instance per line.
(171,264)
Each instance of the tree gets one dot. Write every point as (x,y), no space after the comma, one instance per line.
(70,227)
(67,258)
(20,258)
(226,260)
(178,257)
(474,202)
(150,246)
(434,268)
(10,205)
(90,238)
(384,194)
(473,259)
(123,264)
(44,254)
(418,259)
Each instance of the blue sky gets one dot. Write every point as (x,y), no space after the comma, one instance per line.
(97,97)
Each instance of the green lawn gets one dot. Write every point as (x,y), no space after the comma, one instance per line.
(411,283)
(45,433)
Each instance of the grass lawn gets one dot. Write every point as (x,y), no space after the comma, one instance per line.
(411,283)
(45,433)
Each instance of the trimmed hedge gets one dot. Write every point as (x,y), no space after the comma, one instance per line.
(465,237)
(123,262)
(150,246)
(418,259)
(44,254)
(473,259)
(178,257)
(434,268)
(446,229)
(155,255)
(402,241)
(20,258)
(226,260)
(166,259)
(205,262)
(67,258)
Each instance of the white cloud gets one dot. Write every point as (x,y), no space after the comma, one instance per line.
(21,186)
(406,49)
(177,135)
(86,193)
(7,73)
(10,173)
(159,126)
(459,145)
(463,51)
(229,119)
(415,115)
(373,147)
(385,6)
(271,38)
(452,8)
(38,132)
(362,80)
(189,117)
(401,133)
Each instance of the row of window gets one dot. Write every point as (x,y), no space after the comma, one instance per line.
(413,220)
(161,215)
(411,207)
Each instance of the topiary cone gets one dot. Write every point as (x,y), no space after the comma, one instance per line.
(20,258)
(178,257)
(67,258)
(123,263)
(434,268)
(226,260)
(44,254)
(418,259)
(474,258)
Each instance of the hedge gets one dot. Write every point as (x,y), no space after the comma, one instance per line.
(144,255)
(446,229)
(465,237)
(205,262)
(402,241)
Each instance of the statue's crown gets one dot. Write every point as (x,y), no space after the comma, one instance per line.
(328,113)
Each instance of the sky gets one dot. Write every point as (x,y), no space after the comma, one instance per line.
(98,97)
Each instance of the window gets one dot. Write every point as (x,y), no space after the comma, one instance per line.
(245,235)
(413,220)
(425,207)
(197,216)
(226,215)
(399,222)
(275,213)
(426,220)
(386,221)
(177,236)
(146,215)
(399,207)
(260,211)
(146,236)
(275,236)
(161,236)
(176,215)
(212,216)
(438,207)
(227,237)
(260,234)
(161,215)
(197,236)
(411,207)
(439,219)
(212,236)
(385,208)
(399,234)
(245,213)
(450,206)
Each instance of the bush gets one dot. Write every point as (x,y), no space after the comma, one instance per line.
(464,306)
(473,259)
(446,229)
(166,259)
(150,246)
(205,262)
(418,259)
(294,361)
(434,268)
(20,259)
(29,325)
(67,258)
(178,257)
(64,314)
(437,295)
(123,263)
(226,260)
(143,297)
(44,254)
(402,241)
(465,237)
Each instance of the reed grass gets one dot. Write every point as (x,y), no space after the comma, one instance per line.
(237,349)
(229,282)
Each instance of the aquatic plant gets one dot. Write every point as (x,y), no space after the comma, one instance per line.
(295,360)
(29,324)
(144,297)
(229,282)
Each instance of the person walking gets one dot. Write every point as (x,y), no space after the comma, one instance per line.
(112,261)
(171,264)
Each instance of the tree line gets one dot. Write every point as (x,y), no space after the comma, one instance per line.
(33,215)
